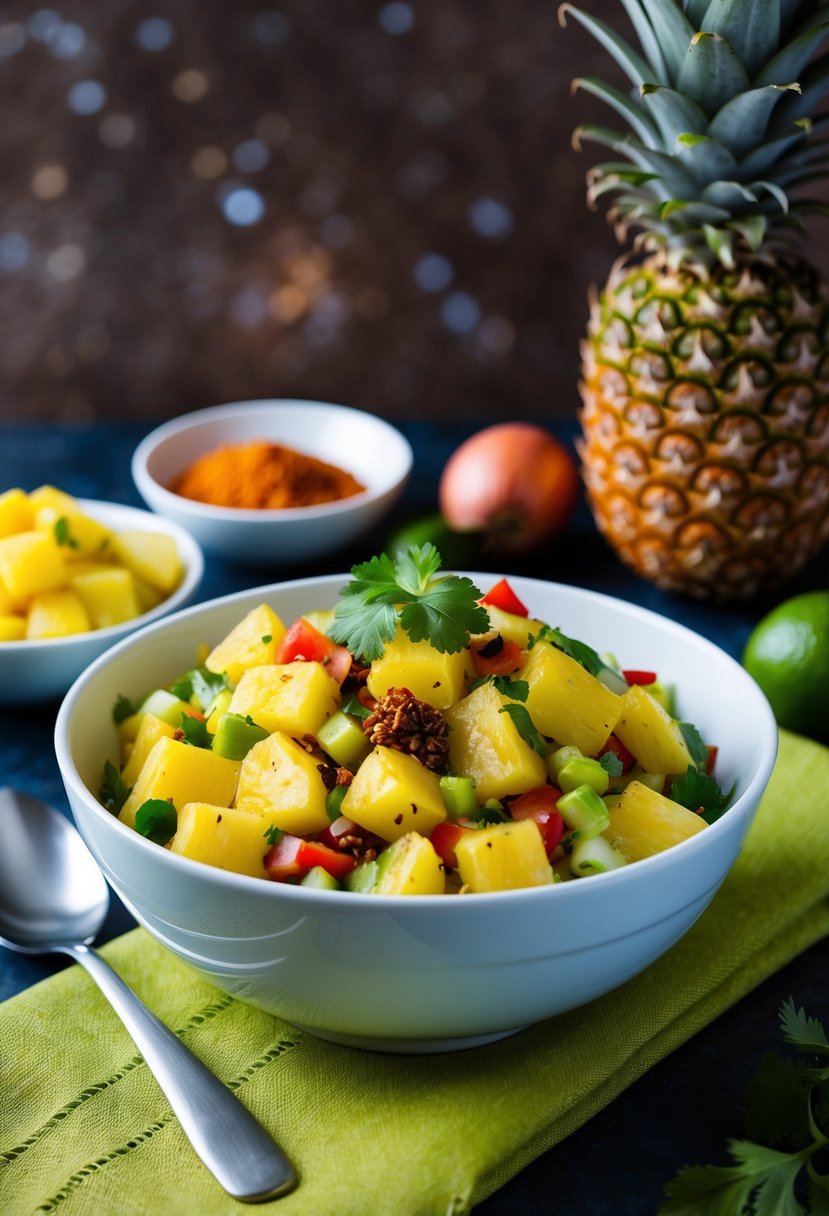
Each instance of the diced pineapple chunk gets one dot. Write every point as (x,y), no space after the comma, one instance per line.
(651,734)
(179,773)
(432,676)
(79,534)
(278,778)
(222,836)
(16,512)
(484,743)
(644,822)
(503,857)
(254,642)
(108,595)
(148,597)
(513,628)
(566,702)
(56,614)
(292,697)
(12,628)
(150,730)
(51,496)
(152,556)
(31,562)
(410,866)
(393,793)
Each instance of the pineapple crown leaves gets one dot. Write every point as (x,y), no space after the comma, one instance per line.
(719,126)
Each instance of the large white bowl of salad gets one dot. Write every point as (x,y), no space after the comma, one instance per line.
(413,810)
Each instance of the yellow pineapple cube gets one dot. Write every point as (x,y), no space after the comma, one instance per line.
(179,773)
(644,822)
(150,730)
(108,596)
(254,642)
(31,562)
(147,597)
(566,702)
(650,733)
(50,496)
(513,628)
(16,512)
(222,836)
(12,627)
(79,534)
(410,866)
(393,793)
(503,857)
(280,782)
(292,697)
(484,743)
(56,614)
(433,677)
(152,556)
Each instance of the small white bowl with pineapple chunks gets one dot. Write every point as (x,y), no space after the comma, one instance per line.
(390,971)
(76,576)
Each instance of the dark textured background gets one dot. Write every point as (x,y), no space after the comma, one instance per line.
(374,203)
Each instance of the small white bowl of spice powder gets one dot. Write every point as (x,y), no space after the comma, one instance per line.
(276,481)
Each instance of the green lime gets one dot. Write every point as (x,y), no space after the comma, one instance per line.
(458,550)
(788,655)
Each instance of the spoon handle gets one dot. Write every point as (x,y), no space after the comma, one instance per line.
(231,1143)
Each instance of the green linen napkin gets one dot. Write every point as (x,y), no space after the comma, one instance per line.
(84,1128)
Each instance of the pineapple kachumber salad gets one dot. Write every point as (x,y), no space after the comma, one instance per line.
(418,739)
(63,572)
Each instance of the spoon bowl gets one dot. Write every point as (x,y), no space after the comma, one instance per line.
(53,899)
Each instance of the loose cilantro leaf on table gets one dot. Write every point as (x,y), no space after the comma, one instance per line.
(788,1116)
(385,591)
(699,792)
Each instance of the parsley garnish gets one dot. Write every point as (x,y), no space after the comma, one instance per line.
(384,592)
(195,731)
(699,792)
(63,535)
(113,793)
(525,726)
(786,1116)
(157,820)
(122,709)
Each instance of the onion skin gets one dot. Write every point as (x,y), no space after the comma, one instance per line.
(513,482)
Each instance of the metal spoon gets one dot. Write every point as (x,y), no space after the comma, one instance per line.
(53,898)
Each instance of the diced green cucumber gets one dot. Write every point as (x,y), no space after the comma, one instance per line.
(594,856)
(561,756)
(342,737)
(319,878)
(664,694)
(458,794)
(362,878)
(583,771)
(334,801)
(235,736)
(584,813)
(164,705)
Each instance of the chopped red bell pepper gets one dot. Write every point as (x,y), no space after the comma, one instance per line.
(711,759)
(502,596)
(304,641)
(444,838)
(292,857)
(497,657)
(540,804)
(616,746)
(640,677)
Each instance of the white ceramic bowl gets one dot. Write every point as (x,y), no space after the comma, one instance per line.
(366,446)
(422,973)
(40,670)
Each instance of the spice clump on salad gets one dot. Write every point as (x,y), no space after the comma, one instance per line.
(420,737)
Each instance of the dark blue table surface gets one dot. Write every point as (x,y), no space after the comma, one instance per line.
(685,1108)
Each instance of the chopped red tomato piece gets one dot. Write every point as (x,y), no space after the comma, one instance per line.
(292,857)
(640,677)
(540,804)
(626,757)
(444,838)
(497,657)
(502,596)
(711,759)
(304,641)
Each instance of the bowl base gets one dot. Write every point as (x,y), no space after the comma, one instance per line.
(408,1046)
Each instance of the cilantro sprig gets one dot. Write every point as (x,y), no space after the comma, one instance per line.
(787,1120)
(384,592)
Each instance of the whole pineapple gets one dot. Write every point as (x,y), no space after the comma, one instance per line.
(705,375)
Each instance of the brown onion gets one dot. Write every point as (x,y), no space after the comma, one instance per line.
(514,482)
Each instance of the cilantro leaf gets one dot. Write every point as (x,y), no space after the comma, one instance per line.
(384,592)
(355,708)
(611,764)
(580,651)
(273,834)
(207,684)
(491,812)
(699,792)
(122,709)
(517,690)
(63,534)
(807,1034)
(113,792)
(776,1110)
(195,731)
(695,743)
(157,820)
(525,726)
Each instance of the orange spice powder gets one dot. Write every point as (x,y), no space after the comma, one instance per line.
(263,475)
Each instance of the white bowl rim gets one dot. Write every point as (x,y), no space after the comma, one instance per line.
(567,891)
(261,515)
(192,559)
